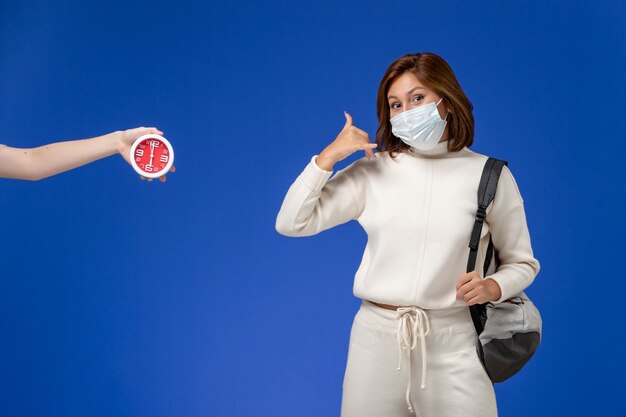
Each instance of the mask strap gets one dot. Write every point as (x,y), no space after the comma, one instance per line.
(447,111)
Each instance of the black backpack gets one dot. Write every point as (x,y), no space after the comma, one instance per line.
(508,332)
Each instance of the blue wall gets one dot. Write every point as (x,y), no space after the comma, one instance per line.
(126,298)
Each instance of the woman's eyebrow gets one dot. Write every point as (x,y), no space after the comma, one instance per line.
(408,94)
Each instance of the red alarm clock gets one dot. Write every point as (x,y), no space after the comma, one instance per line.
(152,156)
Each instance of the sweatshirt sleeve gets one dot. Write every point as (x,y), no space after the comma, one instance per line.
(315,203)
(511,239)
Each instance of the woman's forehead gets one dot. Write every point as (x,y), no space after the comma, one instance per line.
(405,84)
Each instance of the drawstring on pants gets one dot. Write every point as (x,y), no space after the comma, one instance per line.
(408,326)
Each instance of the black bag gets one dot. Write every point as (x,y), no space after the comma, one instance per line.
(508,332)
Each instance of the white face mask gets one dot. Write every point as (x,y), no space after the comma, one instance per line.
(421,127)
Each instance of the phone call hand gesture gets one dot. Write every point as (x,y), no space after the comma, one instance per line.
(351,139)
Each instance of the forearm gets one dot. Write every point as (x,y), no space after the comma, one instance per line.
(315,203)
(45,161)
(514,278)
(298,215)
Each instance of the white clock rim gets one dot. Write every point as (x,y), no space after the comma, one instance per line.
(167,166)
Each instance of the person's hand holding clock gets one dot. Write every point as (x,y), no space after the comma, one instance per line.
(148,152)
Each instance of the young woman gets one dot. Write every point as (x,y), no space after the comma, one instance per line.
(48,160)
(416,198)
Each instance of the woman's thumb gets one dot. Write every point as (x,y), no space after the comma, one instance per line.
(348,120)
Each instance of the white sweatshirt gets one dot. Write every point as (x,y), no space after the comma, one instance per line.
(418,211)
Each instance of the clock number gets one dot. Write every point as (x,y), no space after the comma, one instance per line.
(139,152)
(164,158)
(149,168)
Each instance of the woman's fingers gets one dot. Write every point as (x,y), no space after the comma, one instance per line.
(368,151)
(471,294)
(363,139)
(471,289)
(350,140)
(162,178)
(130,135)
(474,300)
(155,130)
(367,147)
(464,285)
(466,278)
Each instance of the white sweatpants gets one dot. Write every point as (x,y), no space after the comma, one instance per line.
(440,373)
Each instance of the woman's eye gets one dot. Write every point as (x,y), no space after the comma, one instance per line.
(393,106)
(416,97)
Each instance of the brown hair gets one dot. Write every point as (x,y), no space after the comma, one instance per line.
(435,73)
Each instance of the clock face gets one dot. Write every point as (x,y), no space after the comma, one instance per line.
(152,156)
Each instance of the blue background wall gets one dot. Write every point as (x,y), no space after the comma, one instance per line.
(125,298)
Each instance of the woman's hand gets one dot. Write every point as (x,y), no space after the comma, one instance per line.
(474,290)
(129,136)
(349,140)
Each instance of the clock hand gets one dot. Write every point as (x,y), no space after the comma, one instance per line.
(151,151)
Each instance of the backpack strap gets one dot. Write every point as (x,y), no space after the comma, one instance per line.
(488,255)
(486,193)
